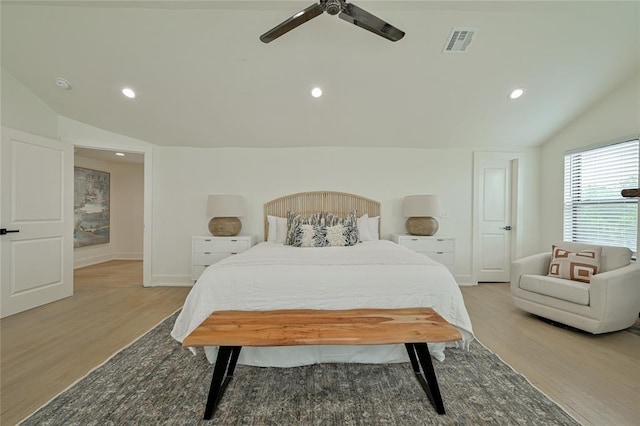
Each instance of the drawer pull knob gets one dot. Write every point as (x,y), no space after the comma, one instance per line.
(440,252)
(414,239)
(234,241)
(207,240)
(234,253)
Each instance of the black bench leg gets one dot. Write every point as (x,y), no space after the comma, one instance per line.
(412,357)
(429,382)
(222,373)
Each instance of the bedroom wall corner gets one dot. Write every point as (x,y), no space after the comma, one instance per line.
(613,117)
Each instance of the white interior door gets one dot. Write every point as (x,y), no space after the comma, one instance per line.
(36,213)
(493,218)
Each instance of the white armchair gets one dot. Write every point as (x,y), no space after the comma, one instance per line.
(610,302)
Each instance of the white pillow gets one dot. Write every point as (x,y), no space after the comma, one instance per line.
(271,236)
(363,228)
(277,229)
(373,227)
(281,230)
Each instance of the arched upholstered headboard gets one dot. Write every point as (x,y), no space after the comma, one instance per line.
(338,203)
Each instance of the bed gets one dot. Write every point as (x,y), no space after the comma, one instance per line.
(373,273)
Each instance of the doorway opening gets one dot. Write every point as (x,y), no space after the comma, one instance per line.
(124,201)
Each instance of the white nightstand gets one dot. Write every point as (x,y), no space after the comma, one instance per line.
(440,249)
(206,251)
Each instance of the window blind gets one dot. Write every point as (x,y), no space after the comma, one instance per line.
(594,210)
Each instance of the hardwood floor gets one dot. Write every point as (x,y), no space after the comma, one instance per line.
(44,350)
(595,378)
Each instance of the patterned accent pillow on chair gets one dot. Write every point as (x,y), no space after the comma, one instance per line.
(577,266)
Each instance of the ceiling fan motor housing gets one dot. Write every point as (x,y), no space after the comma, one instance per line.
(333,7)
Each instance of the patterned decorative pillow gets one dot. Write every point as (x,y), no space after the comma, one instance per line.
(337,236)
(310,236)
(322,236)
(350,223)
(294,220)
(579,266)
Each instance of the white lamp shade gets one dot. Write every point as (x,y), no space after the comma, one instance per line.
(223,205)
(422,206)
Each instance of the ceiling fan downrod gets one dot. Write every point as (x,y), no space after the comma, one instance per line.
(333,7)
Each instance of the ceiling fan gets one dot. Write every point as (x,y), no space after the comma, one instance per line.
(347,11)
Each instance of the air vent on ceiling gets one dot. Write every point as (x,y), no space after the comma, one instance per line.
(459,40)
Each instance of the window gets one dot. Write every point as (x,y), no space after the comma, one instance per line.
(594,210)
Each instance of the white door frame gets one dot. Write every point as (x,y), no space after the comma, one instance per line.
(516,204)
(147,151)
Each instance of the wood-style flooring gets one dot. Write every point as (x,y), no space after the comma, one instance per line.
(44,350)
(596,378)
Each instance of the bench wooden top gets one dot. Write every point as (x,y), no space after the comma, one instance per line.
(322,327)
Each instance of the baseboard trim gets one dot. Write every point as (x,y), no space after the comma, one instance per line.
(95,260)
(465,280)
(171,281)
(88,261)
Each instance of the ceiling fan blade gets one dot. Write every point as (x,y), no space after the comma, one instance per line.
(291,23)
(363,19)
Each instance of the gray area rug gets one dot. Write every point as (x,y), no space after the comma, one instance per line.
(155,381)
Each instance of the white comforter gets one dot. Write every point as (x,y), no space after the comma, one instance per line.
(375,274)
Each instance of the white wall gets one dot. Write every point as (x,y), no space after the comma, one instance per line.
(615,116)
(183,177)
(21,109)
(126,207)
(179,180)
(127,198)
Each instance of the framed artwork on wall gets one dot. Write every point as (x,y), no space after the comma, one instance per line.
(91,199)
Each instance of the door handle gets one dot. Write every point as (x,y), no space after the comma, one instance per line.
(507,228)
(4,231)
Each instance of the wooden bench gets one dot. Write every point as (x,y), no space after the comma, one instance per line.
(231,330)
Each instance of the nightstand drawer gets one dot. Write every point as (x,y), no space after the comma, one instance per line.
(208,258)
(440,249)
(210,245)
(441,257)
(206,250)
(428,245)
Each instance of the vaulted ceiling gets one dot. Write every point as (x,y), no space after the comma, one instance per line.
(204,79)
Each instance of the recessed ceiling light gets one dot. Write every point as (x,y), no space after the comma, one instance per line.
(120,154)
(516,93)
(316,92)
(129,93)
(63,84)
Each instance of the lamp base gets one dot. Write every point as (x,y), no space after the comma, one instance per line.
(424,226)
(225,226)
